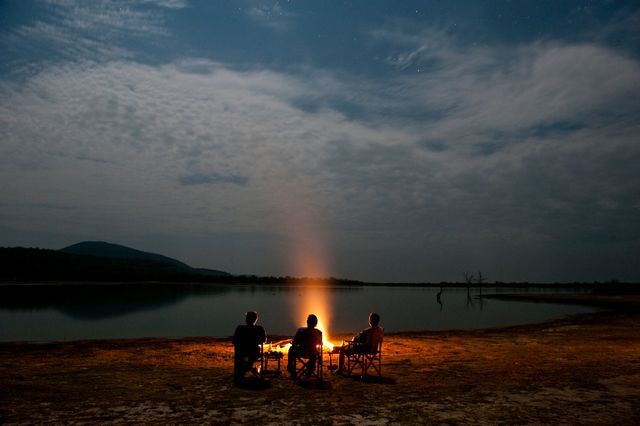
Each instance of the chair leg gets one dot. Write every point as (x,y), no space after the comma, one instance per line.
(298,372)
(303,370)
(242,366)
(375,363)
(353,361)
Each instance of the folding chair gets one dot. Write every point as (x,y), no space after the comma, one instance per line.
(366,360)
(302,361)
(242,363)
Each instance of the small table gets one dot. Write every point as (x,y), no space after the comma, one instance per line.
(274,356)
(332,352)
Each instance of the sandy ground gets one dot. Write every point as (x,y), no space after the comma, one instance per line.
(578,370)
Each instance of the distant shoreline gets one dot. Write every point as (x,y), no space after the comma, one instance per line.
(99,262)
(316,282)
(621,303)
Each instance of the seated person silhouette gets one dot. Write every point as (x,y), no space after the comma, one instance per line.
(305,344)
(364,342)
(246,341)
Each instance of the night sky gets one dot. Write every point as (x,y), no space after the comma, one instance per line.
(372,140)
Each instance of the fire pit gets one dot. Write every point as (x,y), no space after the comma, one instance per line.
(275,352)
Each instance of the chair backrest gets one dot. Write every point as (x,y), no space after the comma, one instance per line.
(302,351)
(376,342)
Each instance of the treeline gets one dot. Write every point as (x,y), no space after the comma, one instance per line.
(287,280)
(615,288)
(44,265)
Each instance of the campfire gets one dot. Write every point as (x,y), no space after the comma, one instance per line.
(316,302)
(284,345)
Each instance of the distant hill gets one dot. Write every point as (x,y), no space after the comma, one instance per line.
(116,251)
(100,261)
(97,261)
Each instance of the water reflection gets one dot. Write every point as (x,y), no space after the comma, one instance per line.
(470,302)
(46,312)
(92,302)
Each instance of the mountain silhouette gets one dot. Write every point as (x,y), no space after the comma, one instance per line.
(98,261)
(117,251)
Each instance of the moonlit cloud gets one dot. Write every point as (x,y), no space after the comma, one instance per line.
(270,15)
(169,4)
(201,179)
(96,30)
(517,159)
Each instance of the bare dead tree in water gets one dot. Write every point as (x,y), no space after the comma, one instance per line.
(438,299)
(468,277)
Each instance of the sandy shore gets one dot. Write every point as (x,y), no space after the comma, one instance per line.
(577,370)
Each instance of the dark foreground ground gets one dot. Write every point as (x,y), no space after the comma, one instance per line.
(578,370)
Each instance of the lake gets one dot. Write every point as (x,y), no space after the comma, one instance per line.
(72,312)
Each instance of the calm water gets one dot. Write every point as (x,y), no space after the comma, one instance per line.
(47,313)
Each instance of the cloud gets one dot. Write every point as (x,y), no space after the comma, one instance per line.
(169,4)
(97,30)
(212,178)
(146,128)
(271,16)
(475,95)
(499,150)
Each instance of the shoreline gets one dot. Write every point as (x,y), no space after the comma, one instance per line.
(320,282)
(578,369)
(595,316)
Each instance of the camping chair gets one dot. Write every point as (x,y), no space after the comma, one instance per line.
(242,364)
(366,360)
(302,361)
